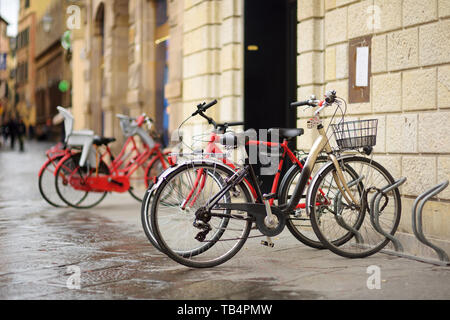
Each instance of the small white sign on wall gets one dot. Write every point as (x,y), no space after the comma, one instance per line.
(362,67)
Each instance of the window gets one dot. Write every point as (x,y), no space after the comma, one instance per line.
(27,4)
(23,38)
(22,72)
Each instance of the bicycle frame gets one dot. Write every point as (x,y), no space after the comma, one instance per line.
(321,143)
(214,149)
(120,168)
(211,148)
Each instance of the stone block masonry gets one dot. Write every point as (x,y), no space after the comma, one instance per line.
(410,84)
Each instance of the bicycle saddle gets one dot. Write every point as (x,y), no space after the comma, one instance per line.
(99,141)
(287,133)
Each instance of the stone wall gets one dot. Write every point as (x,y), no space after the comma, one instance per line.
(212,61)
(410,86)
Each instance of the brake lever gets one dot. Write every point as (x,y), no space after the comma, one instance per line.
(312,101)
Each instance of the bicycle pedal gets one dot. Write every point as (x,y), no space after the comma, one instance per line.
(267,243)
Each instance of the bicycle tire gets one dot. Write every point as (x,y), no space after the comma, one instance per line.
(146,224)
(357,248)
(296,225)
(153,169)
(146,204)
(44,172)
(178,255)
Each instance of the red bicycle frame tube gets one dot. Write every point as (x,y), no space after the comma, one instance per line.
(211,148)
(49,160)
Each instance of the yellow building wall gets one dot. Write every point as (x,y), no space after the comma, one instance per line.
(37,6)
(410,87)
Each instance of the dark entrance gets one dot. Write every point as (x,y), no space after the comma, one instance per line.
(270,65)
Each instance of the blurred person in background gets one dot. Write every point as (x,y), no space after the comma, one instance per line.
(21,131)
(4,130)
(12,131)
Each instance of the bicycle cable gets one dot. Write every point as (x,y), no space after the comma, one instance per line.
(178,130)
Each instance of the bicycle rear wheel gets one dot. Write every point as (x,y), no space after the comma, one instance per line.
(347,229)
(46,182)
(69,175)
(173,211)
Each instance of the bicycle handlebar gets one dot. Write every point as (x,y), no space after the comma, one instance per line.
(303,103)
(330,98)
(202,107)
(233,124)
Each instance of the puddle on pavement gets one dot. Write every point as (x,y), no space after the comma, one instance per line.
(236,290)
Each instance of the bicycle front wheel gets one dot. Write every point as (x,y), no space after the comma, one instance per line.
(346,228)
(46,182)
(179,198)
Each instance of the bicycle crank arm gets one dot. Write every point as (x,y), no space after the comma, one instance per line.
(259,213)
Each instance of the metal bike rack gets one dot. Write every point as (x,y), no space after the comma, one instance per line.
(417,223)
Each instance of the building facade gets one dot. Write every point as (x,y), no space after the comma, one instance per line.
(254,56)
(30,13)
(409,86)
(4,74)
(52,62)
(161,58)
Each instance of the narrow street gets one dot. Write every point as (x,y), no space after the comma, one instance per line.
(40,244)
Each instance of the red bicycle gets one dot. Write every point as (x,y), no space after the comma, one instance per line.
(140,160)
(46,176)
(298,223)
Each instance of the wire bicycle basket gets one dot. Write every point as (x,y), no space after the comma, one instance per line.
(357,134)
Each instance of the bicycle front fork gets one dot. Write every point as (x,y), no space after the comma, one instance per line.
(342,185)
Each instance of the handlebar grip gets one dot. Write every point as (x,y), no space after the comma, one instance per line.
(301,103)
(209,105)
(203,107)
(235,124)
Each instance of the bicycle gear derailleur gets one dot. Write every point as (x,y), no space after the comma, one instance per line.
(202,217)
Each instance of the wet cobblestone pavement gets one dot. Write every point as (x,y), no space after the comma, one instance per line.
(39,245)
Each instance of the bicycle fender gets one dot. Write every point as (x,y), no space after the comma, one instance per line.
(285,177)
(162,176)
(47,162)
